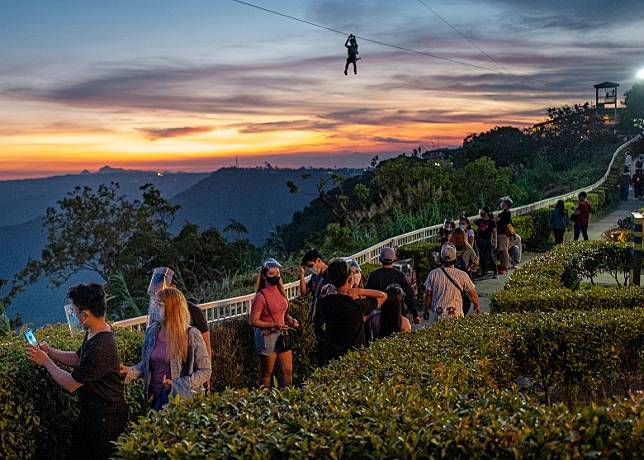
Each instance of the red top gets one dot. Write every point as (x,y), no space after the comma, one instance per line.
(277,304)
(584,212)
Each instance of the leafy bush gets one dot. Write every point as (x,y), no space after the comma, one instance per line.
(568,264)
(36,414)
(530,299)
(552,280)
(447,391)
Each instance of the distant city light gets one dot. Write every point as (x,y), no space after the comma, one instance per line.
(640,74)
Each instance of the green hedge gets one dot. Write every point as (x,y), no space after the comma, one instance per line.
(35,413)
(568,264)
(552,280)
(448,391)
(529,299)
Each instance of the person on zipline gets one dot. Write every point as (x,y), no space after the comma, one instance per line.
(352,53)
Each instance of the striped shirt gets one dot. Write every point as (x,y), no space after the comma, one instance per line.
(447,301)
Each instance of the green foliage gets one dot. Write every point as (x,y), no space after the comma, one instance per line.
(552,280)
(448,391)
(505,145)
(36,414)
(634,110)
(531,299)
(568,264)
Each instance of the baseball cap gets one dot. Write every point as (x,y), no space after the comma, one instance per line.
(387,255)
(448,253)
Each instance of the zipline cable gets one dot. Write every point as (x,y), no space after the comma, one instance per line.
(475,45)
(366,39)
(385,44)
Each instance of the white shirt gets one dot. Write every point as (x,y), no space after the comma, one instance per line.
(447,300)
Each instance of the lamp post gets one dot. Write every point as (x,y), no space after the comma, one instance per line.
(637,248)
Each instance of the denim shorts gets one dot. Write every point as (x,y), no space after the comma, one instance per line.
(266,342)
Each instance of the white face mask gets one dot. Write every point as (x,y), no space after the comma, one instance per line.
(357,277)
(314,270)
(83,321)
(462,227)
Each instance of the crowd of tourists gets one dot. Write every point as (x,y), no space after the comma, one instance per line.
(347,312)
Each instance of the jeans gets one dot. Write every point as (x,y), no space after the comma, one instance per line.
(559,235)
(93,433)
(583,229)
(486,256)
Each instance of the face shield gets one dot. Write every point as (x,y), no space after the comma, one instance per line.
(271,263)
(161,279)
(72,320)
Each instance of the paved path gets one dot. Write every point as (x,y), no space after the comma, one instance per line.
(487,287)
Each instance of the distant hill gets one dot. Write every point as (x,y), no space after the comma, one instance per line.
(258,198)
(26,199)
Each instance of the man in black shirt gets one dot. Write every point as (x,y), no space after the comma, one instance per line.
(95,376)
(383,277)
(341,315)
(313,262)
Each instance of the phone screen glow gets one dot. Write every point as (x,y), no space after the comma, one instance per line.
(29,335)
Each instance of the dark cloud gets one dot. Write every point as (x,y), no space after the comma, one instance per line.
(161,133)
(305,124)
(395,140)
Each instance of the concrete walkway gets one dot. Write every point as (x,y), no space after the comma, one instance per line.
(487,287)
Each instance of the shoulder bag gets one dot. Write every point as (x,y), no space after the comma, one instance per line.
(465,298)
(286,337)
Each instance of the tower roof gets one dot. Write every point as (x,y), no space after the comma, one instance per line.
(606,84)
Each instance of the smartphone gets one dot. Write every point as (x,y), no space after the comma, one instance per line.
(30,337)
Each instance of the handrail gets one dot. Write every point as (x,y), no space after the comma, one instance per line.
(234,307)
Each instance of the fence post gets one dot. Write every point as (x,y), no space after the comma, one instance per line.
(636,238)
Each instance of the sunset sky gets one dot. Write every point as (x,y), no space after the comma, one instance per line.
(189,85)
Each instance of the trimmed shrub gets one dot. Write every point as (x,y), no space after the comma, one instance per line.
(36,414)
(568,264)
(530,299)
(447,391)
(552,280)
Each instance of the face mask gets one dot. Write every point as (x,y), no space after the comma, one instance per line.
(314,270)
(357,277)
(273,280)
(462,226)
(83,320)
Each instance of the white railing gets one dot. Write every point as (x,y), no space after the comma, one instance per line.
(239,306)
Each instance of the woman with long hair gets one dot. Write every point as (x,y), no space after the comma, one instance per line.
(270,321)
(465,225)
(466,258)
(389,319)
(174,356)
